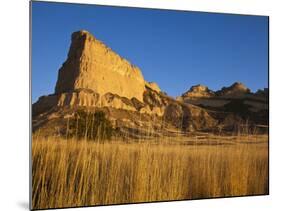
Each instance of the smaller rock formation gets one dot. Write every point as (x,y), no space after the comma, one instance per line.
(233,104)
(201,95)
(200,91)
(235,90)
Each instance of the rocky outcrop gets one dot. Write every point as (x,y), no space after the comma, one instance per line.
(152,85)
(200,91)
(92,65)
(263,93)
(90,99)
(157,114)
(188,117)
(235,90)
(235,103)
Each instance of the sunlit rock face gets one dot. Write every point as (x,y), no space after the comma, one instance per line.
(152,85)
(198,91)
(92,65)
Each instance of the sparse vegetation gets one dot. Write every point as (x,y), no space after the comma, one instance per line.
(68,173)
(89,125)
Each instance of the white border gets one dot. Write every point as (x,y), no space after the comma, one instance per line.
(15,102)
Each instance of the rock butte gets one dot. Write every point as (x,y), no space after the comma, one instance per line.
(92,65)
(95,78)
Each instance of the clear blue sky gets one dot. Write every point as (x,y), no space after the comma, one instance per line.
(175,49)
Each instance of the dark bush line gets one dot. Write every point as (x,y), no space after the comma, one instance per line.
(89,125)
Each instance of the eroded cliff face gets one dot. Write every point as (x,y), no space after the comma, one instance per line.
(95,76)
(92,65)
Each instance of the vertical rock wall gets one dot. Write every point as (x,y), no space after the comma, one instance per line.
(92,65)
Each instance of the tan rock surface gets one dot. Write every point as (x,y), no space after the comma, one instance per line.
(110,100)
(198,91)
(154,86)
(90,99)
(92,65)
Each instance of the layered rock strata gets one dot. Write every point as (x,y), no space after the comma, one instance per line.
(92,65)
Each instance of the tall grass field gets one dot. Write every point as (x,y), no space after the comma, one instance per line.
(69,173)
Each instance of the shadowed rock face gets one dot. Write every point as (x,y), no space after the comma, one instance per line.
(236,103)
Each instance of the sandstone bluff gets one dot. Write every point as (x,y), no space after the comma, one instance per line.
(92,65)
(94,77)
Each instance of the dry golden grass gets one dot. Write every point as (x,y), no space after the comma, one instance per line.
(68,173)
